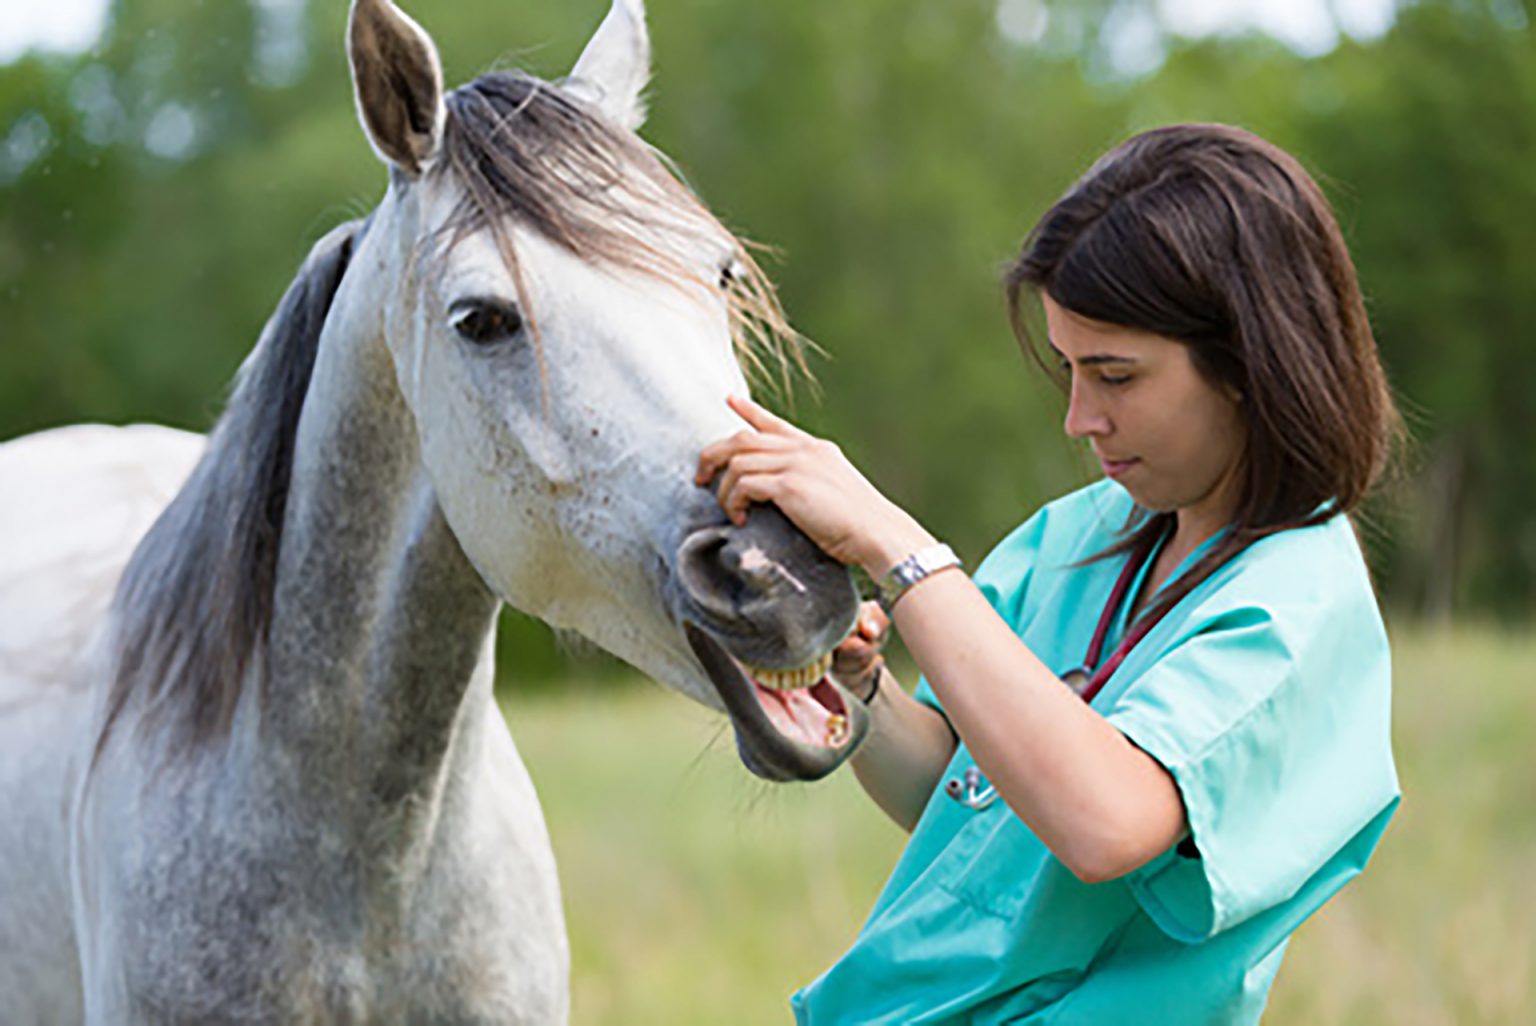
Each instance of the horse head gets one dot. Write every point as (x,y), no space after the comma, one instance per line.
(565,322)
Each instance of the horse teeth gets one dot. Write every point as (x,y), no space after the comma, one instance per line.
(837,730)
(803,677)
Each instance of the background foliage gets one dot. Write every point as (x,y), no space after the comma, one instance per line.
(157,193)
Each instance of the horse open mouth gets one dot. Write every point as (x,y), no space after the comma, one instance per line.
(802,704)
(790,724)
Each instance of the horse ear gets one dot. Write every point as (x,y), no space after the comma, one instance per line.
(614,68)
(398,81)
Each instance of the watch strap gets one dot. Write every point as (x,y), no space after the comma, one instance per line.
(899,579)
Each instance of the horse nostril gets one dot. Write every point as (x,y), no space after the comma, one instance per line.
(710,574)
(726,571)
(764,584)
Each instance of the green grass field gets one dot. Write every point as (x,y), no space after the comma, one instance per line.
(696,894)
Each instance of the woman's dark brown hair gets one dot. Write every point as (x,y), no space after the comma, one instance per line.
(1211,236)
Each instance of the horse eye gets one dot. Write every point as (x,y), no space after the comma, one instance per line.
(483,322)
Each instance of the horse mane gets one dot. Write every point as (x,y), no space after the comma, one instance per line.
(194,605)
(194,602)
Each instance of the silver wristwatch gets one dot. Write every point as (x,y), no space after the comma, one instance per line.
(922,563)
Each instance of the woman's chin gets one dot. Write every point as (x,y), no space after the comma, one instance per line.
(1149,500)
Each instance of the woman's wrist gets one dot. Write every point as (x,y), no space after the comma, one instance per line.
(869,687)
(892,541)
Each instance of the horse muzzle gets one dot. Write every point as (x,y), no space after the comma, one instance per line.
(762,608)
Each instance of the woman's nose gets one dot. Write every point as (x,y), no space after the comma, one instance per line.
(1084,418)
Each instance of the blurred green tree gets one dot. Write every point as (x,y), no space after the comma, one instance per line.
(1432,136)
(157,193)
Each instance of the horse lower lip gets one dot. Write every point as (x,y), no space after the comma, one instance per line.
(816,741)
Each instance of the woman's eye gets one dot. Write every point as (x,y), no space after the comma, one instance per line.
(1114,379)
(484,322)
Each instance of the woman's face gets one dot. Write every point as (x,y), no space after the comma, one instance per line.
(1173,439)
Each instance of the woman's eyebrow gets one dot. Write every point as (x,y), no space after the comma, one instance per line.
(1095,359)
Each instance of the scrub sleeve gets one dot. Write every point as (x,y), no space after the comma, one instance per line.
(1246,713)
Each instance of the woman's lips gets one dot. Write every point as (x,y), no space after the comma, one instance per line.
(1116,468)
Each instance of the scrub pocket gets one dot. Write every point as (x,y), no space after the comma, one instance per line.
(1051,925)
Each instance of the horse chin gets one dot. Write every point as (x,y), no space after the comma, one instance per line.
(782,733)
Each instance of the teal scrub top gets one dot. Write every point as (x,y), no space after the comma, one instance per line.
(1265,693)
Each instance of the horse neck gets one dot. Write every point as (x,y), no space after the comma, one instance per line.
(379,654)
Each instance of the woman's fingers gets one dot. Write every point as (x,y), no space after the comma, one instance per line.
(853,655)
(761,418)
(764,487)
(760,463)
(859,653)
(717,455)
(808,478)
(749,466)
(854,671)
(873,624)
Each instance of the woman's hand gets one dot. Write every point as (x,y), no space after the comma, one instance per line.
(814,485)
(856,661)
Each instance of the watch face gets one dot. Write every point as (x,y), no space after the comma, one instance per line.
(927,561)
(913,569)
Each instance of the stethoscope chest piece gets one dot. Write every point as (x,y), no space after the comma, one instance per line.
(1078,680)
(971,790)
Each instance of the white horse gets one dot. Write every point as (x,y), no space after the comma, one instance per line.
(251,769)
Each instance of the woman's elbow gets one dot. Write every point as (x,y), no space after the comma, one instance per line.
(1097,868)
(1110,856)
(1124,835)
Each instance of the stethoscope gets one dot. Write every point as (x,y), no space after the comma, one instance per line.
(971,788)
(971,793)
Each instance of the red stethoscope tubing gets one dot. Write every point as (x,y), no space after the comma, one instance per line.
(1141,629)
(968,790)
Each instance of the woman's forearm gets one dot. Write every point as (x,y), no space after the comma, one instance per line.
(901,760)
(1096,800)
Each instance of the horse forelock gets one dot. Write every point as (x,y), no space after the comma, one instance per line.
(524,151)
(193,606)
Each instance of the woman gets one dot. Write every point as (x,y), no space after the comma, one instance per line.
(1152,735)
